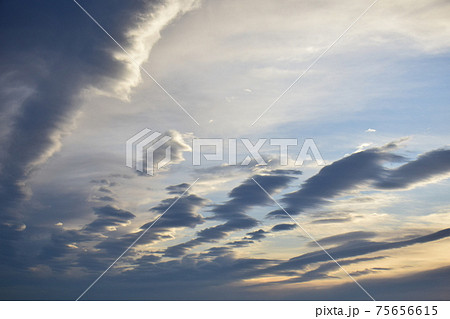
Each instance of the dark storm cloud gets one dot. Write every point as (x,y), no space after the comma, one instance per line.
(360,168)
(283,227)
(53,51)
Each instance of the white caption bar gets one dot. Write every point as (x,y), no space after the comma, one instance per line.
(227,309)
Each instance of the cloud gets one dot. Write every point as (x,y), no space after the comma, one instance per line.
(180,249)
(256,235)
(331,220)
(334,179)
(368,271)
(350,236)
(323,270)
(249,194)
(286,172)
(283,227)
(182,214)
(54,53)
(106,198)
(240,243)
(219,266)
(364,168)
(242,198)
(177,189)
(177,146)
(426,167)
(60,241)
(211,234)
(109,218)
(217,251)
(104,190)
(352,249)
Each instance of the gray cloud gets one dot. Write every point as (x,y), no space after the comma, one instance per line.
(249,194)
(242,198)
(425,167)
(283,227)
(331,220)
(218,266)
(323,271)
(256,235)
(109,216)
(240,243)
(365,167)
(352,249)
(55,73)
(177,189)
(332,180)
(341,238)
(182,214)
(54,53)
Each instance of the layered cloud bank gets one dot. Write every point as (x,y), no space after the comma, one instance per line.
(54,52)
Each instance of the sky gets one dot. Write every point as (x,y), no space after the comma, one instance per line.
(367,82)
